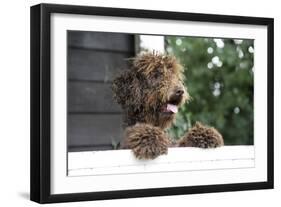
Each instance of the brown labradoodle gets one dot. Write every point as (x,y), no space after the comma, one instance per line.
(150,94)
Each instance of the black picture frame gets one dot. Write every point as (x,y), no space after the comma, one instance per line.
(41,97)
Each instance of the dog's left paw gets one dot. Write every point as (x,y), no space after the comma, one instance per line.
(201,136)
(146,141)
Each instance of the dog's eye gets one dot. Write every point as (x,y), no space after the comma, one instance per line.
(156,74)
(139,76)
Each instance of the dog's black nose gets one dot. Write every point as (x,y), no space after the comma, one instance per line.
(179,92)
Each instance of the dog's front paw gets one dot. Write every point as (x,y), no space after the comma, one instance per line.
(146,141)
(202,136)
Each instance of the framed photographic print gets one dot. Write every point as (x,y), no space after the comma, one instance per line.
(133,103)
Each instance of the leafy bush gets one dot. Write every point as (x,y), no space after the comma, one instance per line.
(219,78)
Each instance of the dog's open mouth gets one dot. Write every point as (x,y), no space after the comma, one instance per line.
(170,108)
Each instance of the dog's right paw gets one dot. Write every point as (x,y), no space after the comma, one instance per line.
(146,141)
(202,136)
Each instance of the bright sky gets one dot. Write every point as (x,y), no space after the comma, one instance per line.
(152,42)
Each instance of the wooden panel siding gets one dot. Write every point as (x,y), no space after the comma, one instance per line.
(117,42)
(94,59)
(91,97)
(95,65)
(94,130)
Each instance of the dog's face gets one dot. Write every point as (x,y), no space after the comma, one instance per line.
(154,87)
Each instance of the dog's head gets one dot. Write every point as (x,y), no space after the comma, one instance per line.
(153,87)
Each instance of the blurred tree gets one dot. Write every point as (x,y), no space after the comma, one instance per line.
(219,78)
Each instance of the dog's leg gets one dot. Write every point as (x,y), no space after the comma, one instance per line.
(146,141)
(201,136)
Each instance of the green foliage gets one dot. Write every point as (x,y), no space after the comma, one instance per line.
(219,78)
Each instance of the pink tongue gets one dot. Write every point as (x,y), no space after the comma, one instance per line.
(172,108)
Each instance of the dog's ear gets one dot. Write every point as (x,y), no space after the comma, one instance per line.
(127,90)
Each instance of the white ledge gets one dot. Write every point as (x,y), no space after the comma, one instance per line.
(178,159)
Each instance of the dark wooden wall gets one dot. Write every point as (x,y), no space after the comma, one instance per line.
(94,119)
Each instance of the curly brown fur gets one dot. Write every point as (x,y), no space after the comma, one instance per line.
(146,141)
(147,88)
(201,136)
(146,93)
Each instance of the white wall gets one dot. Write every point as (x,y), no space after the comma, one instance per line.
(14,103)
